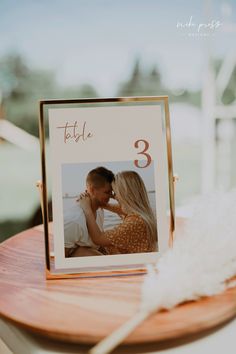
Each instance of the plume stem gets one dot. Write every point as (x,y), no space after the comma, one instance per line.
(115,338)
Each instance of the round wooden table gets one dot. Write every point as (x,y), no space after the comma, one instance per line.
(87,310)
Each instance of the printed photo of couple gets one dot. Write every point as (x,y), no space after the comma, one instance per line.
(108,209)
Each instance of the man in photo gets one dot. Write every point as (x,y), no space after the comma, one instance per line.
(137,233)
(77,239)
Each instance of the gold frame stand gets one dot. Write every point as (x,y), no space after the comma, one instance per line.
(42,184)
(49,275)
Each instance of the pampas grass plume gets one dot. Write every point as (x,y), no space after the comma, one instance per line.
(200,264)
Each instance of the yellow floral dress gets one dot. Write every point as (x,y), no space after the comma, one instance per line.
(130,236)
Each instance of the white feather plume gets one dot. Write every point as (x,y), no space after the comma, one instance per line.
(201,261)
(202,258)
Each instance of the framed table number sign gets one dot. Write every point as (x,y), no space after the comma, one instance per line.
(107,168)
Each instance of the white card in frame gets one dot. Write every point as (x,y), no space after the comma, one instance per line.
(110,177)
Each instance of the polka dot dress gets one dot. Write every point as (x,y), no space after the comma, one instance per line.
(129,237)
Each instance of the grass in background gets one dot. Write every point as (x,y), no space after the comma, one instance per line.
(20,169)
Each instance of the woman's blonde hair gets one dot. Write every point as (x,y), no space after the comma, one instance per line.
(131,193)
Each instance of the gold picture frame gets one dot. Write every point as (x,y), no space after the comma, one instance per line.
(47,107)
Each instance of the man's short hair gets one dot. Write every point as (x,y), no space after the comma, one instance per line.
(99,176)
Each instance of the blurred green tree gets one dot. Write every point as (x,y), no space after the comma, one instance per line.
(22,87)
(149,83)
(229,94)
(141,83)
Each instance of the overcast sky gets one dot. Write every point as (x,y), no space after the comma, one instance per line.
(97,41)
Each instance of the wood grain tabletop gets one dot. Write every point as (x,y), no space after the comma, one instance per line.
(87,310)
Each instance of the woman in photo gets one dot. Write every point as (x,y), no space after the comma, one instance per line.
(138,231)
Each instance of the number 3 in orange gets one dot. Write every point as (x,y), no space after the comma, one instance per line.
(143,152)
